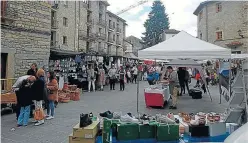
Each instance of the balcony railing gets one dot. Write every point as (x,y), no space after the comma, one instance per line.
(102,22)
(6,84)
(86,35)
(118,30)
(102,50)
(118,42)
(54,24)
(101,36)
(111,26)
(54,44)
(110,40)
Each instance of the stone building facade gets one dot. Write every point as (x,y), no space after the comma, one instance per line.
(116,33)
(25,35)
(68,25)
(97,27)
(224,23)
(137,44)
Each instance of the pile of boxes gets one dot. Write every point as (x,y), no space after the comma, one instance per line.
(116,130)
(87,134)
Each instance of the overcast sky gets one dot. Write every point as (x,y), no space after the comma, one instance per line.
(180,14)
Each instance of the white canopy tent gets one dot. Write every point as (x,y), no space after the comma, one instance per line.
(184,63)
(184,45)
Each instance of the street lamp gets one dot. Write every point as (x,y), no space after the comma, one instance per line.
(240,34)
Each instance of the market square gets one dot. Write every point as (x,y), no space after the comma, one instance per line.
(114,71)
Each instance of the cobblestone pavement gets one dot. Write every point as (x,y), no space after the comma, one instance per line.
(67,114)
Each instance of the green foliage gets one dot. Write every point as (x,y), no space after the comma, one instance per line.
(156,23)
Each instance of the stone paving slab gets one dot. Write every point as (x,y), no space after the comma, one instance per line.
(67,114)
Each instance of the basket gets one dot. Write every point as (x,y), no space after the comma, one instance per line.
(65,100)
(8,98)
(72,87)
(76,95)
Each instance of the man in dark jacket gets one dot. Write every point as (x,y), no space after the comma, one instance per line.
(32,71)
(25,100)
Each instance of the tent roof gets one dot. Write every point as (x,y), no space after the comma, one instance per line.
(184,45)
(183,63)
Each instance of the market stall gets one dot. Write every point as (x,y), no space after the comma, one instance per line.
(185,46)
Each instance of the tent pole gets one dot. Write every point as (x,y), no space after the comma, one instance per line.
(219,78)
(230,77)
(209,94)
(138,97)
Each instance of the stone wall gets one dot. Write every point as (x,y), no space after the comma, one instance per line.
(231,19)
(27,36)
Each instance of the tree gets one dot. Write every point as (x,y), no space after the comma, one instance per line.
(156,23)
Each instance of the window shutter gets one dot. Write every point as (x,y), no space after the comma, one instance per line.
(3,8)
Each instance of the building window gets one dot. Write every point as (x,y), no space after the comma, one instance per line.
(66,3)
(100,30)
(65,21)
(219,35)
(100,17)
(200,15)
(64,40)
(110,24)
(218,7)
(113,37)
(99,44)
(113,24)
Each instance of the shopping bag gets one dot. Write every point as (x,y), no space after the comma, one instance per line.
(39,114)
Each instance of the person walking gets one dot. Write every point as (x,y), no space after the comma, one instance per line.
(135,74)
(91,78)
(38,96)
(25,100)
(122,78)
(112,77)
(101,74)
(173,86)
(52,87)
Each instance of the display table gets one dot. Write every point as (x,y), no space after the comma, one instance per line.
(9,97)
(156,96)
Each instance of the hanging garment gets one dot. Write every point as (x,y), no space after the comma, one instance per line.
(78,59)
(61,82)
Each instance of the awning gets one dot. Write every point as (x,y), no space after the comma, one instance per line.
(130,55)
(59,52)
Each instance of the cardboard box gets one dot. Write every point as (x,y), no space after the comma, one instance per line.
(88,132)
(217,129)
(73,139)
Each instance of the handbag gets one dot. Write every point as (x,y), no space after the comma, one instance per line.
(39,114)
